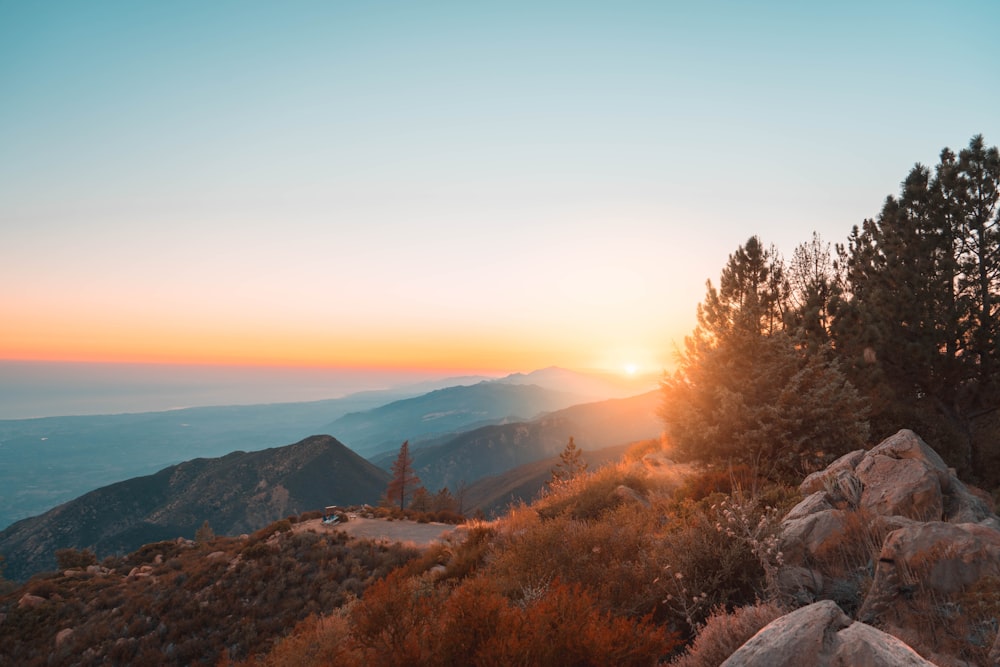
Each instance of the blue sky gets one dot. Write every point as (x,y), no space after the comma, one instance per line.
(465,185)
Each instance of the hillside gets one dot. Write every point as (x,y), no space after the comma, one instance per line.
(48,461)
(493,449)
(237,493)
(493,495)
(442,412)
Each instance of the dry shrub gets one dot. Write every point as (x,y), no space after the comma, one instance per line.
(586,497)
(407,621)
(317,640)
(725,631)
(638,450)
(565,627)
(388,623)
(704,567)
(469,554)
(711,481)
(616,558)
(848,560)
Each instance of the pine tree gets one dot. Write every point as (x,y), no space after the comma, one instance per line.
(747,391)
(404,481)
(570,464)
(919,324)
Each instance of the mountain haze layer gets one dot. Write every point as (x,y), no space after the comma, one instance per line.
(445,411)
(493,449)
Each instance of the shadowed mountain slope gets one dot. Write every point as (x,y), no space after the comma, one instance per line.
(445,411)
(493,449)
(50,460)
(238,493)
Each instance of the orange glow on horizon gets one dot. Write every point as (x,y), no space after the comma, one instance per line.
(78,334)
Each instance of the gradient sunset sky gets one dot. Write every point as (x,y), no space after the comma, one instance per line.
(470,186)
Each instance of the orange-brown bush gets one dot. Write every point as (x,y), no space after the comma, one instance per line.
(587,496)
(407,621)
(725,631)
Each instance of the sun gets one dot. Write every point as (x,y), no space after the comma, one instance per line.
(631,369)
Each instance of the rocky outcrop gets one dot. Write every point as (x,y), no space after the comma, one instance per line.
(894,536)
(938,558)
(823,636)
(897,484)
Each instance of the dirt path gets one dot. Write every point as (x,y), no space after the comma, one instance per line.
(421,535)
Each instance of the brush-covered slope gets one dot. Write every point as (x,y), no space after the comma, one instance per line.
(237,493)
(493,495)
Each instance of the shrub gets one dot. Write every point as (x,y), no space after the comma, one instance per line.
(723,632)
(564,626)
(586,496)
(68,559)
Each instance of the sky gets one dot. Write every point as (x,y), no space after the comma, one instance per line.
(470,187)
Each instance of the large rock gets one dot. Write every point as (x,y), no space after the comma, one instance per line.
(898,517)
(935,559)
(821,635)
(900,479)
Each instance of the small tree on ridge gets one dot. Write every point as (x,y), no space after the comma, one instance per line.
(404,481)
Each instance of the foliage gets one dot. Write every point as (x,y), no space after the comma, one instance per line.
(171,603)
(771,405)
(920,320)
(404,481)
(725,631)
(570,464)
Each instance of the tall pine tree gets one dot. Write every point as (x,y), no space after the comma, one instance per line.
(746,391)
(404,481)
(919,325)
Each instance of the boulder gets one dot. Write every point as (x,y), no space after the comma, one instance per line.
(936,558)
(29,601)
(810,534)
(64,636)
(909,487)
(823,636)
(817,481)
(899,481)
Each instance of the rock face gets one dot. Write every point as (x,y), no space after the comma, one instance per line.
(940,558)
(894,536)
(900,483)
(822,635)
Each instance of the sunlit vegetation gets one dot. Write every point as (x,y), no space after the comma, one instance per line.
(613,566)
(794,362)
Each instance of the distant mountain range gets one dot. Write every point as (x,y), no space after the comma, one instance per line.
(238,493)
(443,412)
(51,458)
(47,461)
(488,450)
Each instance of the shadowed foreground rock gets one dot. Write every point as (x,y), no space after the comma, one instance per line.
(821,635)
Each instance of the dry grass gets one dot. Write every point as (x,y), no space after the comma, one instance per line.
(725,631)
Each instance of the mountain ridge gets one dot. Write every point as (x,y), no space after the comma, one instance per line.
(236,493)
